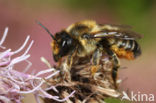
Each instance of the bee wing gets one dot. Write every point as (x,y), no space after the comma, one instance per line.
(117,31)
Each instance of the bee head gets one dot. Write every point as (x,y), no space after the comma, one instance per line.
(62,43)
(63,46)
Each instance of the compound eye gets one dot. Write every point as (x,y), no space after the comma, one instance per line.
(63,43)
(66,43)
(69,42)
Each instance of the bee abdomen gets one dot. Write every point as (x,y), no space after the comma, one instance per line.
(136,50)
(126,44)
(126,48)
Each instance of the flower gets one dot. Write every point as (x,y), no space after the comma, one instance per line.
(14,83)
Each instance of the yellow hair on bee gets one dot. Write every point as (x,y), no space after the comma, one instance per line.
(109,27)
(89,23)
(54,47)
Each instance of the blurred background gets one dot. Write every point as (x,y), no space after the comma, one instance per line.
(20,16)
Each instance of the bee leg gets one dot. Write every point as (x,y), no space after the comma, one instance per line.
(95,61)
(69,61)
(59,62)
(66,67)
(116,65)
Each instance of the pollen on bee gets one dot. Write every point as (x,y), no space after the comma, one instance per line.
(130,55)
(122,53)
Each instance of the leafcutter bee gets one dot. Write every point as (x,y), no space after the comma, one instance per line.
(87,38)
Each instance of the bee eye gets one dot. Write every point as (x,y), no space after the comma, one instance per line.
(66,43)
(63,44)
(69,42)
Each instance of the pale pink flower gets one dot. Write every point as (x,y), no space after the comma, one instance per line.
(14,83)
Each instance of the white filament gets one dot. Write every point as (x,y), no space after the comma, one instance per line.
(4,36)
(22,47)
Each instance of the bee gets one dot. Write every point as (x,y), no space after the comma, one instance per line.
(88,38)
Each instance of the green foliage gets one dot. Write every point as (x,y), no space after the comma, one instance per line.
(115,100)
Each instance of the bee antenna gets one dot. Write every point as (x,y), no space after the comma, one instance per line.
(46,30)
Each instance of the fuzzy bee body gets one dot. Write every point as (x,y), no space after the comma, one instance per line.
(87,38)
(128,49)
(122,46)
